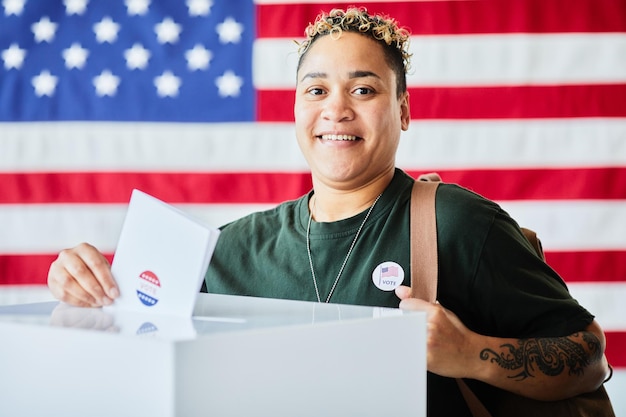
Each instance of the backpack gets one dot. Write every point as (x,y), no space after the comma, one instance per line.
(424,276)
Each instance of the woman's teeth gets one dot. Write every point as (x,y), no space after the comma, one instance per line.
(338,137)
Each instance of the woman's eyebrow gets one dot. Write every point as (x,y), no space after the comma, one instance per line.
(314,75)
(363,74)
(351,75)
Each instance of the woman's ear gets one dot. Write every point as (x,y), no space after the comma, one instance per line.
(405,111)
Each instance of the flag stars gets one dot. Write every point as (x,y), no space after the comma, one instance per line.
(106,30)
(44,30)
(13,7)
(75,56)
(106,84)
(229,31)
(137,57)
(167,84)
(167,31)
(45,84)
(75,6)
(137,7)
(199,7)
(229,84)
(198,58)
(13,57)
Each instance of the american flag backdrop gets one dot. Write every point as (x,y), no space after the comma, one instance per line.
(523,101)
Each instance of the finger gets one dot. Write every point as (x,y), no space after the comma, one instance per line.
(93,272)
(70,276)
(100,268)
(65,288)
(403,292)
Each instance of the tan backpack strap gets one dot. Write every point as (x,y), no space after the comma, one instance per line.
(534,240)
(473,403)
(424,263)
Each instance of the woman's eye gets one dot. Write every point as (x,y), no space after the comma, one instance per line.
(316,91)
(363,91)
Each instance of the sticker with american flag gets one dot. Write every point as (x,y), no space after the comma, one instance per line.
(388,276)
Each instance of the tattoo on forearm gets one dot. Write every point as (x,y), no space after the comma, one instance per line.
(551,356)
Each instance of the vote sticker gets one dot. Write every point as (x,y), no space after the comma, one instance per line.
(148,287)
(388,276)
(147,328)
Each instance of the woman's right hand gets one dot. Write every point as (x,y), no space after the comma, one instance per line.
(81,276)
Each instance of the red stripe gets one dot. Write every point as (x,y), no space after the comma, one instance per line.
(271,188)
(616,348)
(460,17)
(589,266)
(116,187)
(606,183)
(28,269)
(512,102)
(518,102)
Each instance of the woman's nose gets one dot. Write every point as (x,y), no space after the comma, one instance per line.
(337,107)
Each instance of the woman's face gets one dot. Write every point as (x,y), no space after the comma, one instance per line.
(347,111)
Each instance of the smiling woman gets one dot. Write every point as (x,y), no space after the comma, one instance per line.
(348,241)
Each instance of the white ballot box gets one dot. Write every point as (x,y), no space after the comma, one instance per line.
(237,356)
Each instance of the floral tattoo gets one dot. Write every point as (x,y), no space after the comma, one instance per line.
(551,356)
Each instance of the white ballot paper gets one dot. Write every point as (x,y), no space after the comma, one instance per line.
(161,258)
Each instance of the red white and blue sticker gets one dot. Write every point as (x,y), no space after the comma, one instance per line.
(148,288)
(388,276)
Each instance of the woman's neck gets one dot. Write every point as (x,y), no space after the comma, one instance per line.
(330,204)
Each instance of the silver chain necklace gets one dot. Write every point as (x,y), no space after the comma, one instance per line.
(308,249)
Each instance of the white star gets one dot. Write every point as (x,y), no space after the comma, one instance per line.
(199,7)
(167,84)
(229,31)
(167,31)
(137,57)
(13,7)
(75,6)
(106,30)
(137,7)
(75,56)
(13,57)
(44,30)
(229,85)
(106,84)
(198,58)
(44,83)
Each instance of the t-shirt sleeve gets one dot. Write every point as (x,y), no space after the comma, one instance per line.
(506,289)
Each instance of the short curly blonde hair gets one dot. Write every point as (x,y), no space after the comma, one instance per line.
(383,29)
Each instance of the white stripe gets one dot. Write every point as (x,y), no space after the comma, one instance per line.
(101,146)
(474,60)
(573,225)
(511,144)
(615,390)
(570,225)
(37,228)
(605,301)
(165,147)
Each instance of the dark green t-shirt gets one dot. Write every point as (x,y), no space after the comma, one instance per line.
(489,275)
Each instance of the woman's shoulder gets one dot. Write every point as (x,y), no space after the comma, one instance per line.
(458,201)
(462,213)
